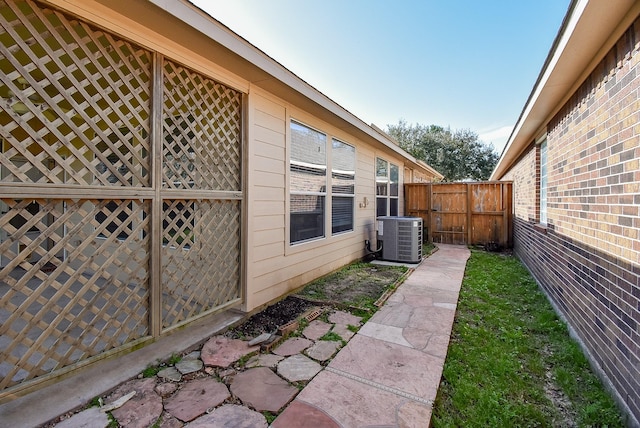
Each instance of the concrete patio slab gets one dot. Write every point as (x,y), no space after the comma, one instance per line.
(93,417)
(95,379)
(354,403)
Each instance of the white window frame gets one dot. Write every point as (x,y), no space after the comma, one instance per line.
(331,167)
(544,177)
(321,194)
(388,188)
(340,194)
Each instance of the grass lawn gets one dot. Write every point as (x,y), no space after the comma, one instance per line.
(511,361)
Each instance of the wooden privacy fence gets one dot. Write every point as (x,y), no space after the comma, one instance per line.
(463,213)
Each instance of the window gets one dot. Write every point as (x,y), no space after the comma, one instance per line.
(387,185)
(311,187)
(343,178)
(543,182)
(308,183)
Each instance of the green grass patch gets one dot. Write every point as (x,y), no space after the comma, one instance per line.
(356,285)
(511,361)
(427,248)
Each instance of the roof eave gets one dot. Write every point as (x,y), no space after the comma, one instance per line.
(587,33)
(281,79)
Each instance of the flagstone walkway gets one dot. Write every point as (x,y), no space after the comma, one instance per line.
(386,375)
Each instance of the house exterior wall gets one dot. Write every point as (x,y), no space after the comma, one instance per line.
(587,259)
(274,266)
(164,199)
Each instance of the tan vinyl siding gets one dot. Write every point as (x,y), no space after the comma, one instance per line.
(274,266)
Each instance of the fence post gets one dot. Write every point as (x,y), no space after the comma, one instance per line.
(469,214)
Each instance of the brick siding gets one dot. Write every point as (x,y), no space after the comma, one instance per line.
(587,259)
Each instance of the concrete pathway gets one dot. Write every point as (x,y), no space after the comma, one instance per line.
(388,374)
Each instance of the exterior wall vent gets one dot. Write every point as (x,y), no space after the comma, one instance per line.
(401,238)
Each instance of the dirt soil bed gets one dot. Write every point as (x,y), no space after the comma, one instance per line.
(359,284)
(272,317)
(355,286)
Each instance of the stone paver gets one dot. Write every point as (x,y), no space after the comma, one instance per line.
(169,421)
(231,416)
(220,351)
(298,367)
(316,329)
(187,366)
(391,365)
(262,389)
(170,373)
(343,331)
(143,409)
(165,389)
(386,375)
(195,398)
(344,318)
(302,415)
(351,402)
(322,350)
(264,360)
(292,346)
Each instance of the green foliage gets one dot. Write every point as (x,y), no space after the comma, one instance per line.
(458,154)
(150,371)
(270,417)
(511,361)
(427,248)
(113,423)
(174,359)
(331,336)
(95,402)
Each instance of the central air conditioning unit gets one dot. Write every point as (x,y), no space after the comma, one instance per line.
(401,238)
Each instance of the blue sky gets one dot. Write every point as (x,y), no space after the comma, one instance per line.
(462,64)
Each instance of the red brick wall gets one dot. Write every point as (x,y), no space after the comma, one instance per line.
(587,260)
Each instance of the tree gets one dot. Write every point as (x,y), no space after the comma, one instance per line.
(458,155)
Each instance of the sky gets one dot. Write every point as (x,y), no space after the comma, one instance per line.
(463,64)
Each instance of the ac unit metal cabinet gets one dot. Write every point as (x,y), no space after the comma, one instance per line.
(401,238)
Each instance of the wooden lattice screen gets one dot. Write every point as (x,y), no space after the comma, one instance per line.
(201,230)
(80,194)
